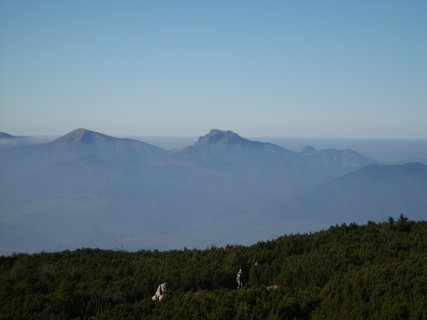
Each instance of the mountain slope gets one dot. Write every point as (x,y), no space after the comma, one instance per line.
(266,168)
(230,147)
(82,141)
(4,135)
(334,162)
(366,194)
(8,141)
(15,238)
(78,143)
(218,138)
(219,141)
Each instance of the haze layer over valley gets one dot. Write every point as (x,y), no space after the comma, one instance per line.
(94,190)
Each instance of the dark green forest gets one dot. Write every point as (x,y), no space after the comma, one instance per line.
(372,271)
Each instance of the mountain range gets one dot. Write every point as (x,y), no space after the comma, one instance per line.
(91,189)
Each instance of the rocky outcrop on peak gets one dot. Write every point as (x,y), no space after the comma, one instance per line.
(222,138)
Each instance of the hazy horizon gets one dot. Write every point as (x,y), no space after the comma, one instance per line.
(388,151)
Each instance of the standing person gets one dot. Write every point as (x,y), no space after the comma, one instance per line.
(240,279)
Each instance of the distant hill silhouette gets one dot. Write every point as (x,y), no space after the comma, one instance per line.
(14,238)
(83,141)
(8,141)
(219,138)
(223,138)
(78,143)
(4,135)
(364,194)
(90,189)
(335,162)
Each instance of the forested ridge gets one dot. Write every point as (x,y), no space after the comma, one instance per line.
(373,271)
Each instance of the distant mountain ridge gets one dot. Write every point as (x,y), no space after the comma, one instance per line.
(219,138)
(91,189)
(4,135)
(83,135)
(8,141)
(336,162)
(104,145)
(365,194)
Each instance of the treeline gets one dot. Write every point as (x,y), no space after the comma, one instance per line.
(375,271)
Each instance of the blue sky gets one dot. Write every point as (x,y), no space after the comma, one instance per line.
(260,68)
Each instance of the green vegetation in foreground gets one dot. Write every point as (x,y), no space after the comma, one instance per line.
(375,271)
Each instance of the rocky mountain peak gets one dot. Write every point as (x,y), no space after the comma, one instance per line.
(221,138)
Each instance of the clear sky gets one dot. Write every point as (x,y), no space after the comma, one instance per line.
(260,68)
